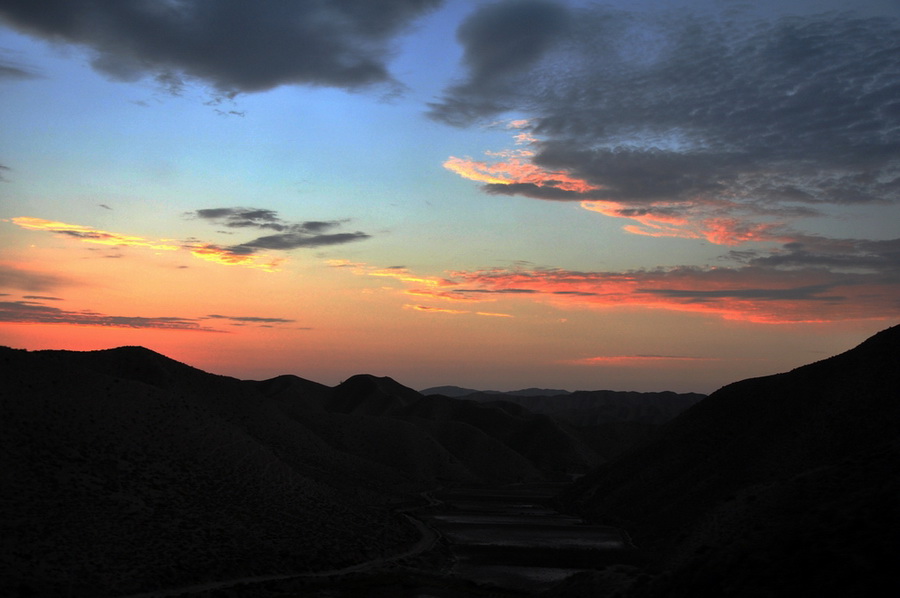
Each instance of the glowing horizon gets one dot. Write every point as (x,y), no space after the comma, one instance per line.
(450,206)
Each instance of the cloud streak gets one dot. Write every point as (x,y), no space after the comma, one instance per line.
(249,254)
(810,279)
(288,235)
(91,235)
(636,360)
(30,312)
(28,280)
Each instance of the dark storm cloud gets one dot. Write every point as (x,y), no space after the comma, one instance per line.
(290,235)
(500,41)
(509,36)
(690,108)
(234,45)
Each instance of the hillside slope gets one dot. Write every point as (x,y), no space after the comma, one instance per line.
(124,470)
(781,485)
(118,477)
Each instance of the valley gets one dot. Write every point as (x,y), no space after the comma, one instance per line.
(127,474)
(501,541)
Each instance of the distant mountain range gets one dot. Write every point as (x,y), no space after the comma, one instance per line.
(122,471)
(584,407)
(459,392)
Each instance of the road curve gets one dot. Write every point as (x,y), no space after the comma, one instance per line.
(427,540)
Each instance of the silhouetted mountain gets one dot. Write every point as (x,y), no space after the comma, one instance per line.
(592,407)
(458,392)
(784,485)
(453,392)
(588,408)
(124,470)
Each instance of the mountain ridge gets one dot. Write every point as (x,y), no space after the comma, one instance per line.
(779,483)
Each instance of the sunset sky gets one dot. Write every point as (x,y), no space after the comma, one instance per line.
(651,195)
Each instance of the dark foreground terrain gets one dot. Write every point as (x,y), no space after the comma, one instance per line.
(125,473)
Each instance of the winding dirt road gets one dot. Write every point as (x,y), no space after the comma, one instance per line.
(429,537)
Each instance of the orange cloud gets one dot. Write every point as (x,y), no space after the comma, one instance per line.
(673,220)
(396,272)
(633,360)
(221,255)
(515,170)
(435,310)
(448,295)
(201,250)
(747,293)
(91,235)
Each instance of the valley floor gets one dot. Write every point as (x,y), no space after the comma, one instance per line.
(475,541)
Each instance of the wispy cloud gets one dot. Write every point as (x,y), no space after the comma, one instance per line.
(92,235)
(435,310)
(288,235)
(16,277)
(787,284)
(255,321)
(443,310)
(30,312)
(636,360)
(250,254)
(12,69)
(32,309)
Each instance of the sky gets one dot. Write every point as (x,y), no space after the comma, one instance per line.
(650,195)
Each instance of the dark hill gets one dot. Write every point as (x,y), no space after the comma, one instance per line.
(774,486)
(123,470)
(365,394)
(587,407)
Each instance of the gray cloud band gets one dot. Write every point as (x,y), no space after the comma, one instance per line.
(685,108)
(233,45)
